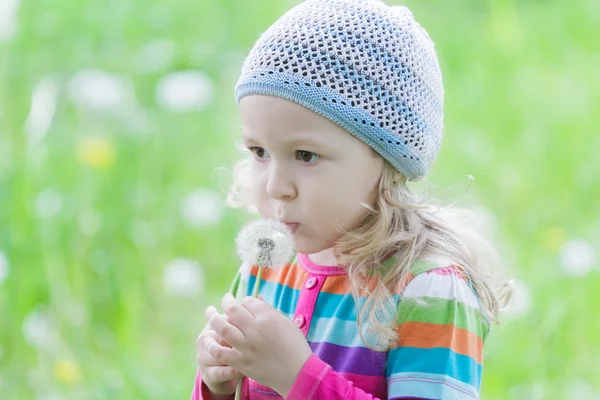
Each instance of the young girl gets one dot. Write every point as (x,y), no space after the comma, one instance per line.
(387,298)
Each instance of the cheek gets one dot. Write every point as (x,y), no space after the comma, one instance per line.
(346,200)
(337,203)
(258,190)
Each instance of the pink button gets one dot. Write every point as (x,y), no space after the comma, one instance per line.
(311,282)
(299,320)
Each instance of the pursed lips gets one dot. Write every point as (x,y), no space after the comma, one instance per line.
(291,225)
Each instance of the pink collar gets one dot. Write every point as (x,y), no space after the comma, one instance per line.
(319,269)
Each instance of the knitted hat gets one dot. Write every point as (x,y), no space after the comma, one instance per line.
(366,66)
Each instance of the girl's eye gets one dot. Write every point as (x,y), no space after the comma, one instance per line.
(306,156)
(259,152)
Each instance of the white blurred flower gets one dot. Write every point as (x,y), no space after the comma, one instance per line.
(580,389)
(520,302)
(48,203)
(38,330)
(89,222)
(4,267)
(184,91)
(42,109)
(8,19)
(577,257)
(99,90)
(183,277)
(267,243)
(202,208)
(156,56)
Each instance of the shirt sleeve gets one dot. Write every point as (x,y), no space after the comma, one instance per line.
(442,331)
(318,381)
(439,355)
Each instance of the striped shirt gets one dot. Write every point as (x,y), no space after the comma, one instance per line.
(442,331)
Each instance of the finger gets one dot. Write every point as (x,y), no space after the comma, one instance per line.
(214,335)
(222,373)
(230,333)
(237,315)
(222,354)
(205,359)
(255,306)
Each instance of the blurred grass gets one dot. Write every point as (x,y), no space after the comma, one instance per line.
(522,117)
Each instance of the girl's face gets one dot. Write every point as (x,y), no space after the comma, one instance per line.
(307,171)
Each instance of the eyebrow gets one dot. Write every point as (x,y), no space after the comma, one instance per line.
(248,140)
(295,143)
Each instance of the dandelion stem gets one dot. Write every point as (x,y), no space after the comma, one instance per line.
(238,389)
(258,279)
(235,285)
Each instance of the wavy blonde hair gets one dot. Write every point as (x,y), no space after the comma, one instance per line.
(400,223)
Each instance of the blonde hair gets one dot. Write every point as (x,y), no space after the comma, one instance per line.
(400,223)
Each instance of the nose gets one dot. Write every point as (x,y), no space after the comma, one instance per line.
(280,184)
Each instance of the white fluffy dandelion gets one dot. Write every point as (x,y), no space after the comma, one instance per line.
(266,243)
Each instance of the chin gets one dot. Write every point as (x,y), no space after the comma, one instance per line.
(309,246)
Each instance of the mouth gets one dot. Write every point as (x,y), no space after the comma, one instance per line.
(291,225)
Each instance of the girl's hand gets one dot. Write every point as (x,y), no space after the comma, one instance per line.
(220,378)
(266,345)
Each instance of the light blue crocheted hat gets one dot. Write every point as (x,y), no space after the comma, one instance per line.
(367,66)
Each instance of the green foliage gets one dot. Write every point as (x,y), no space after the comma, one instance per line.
(91,208)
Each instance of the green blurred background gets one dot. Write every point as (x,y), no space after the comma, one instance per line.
(114,116)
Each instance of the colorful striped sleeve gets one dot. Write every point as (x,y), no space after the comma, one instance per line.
(442,331)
